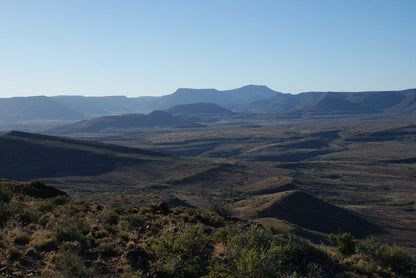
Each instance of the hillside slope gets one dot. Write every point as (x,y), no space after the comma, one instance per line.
(26,156)
(49,234)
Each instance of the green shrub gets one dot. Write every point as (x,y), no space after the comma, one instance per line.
(46,245)
(184,255)
(4,214)
(8,210)
(70,265)
(69,229)
(107,248)
(15,254)
(394,260)
(22,238)
(258,252)
(52,203)
(100,233)
(134,221)
(109,217)
(221,210)
(5,194)
(345,243)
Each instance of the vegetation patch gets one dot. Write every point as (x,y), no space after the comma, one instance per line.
(73,239)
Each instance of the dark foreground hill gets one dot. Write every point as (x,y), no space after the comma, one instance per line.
(26,156)
(57,236)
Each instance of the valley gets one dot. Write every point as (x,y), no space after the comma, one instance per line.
(359,174)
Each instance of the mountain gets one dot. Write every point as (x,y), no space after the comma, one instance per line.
(230,99)
(107,123)
(41,108)
(316,103)
(35,108)
(24,112)
(199,108)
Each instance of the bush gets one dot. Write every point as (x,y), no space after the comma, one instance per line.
(22,238)
(221,210)
(71,265)
(107,248)
(52,203)
(134,221)
(15,254)
(393,259)
(345,243)
(184,255)
(69,229)
(46,245)
(258,252)
(109,217)
(5,194)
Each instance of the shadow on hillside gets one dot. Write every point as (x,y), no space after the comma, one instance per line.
(311,213)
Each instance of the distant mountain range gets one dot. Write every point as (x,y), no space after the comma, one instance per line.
(80,107)
(338,102)
(250,99)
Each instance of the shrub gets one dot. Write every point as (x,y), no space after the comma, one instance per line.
(71,265)
(109,217)
(46,245)
(345,243)
(69,229)
(134,221)
(107,248)
(258,252)
(22,238)
(184,255)
(15,254)
(221,210)
(4,213)
(5,194)
(392,259)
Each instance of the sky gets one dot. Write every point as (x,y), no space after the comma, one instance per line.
(153,47)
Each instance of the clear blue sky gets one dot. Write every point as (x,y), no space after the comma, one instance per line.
(154,47)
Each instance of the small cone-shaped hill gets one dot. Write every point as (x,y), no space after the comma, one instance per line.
(306,211)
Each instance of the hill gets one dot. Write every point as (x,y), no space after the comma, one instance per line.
(306,211)
(199,108)
(341,103)
(26,156)
(124,122)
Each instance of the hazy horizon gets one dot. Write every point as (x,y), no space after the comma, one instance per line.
(140,48)
(168,93)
